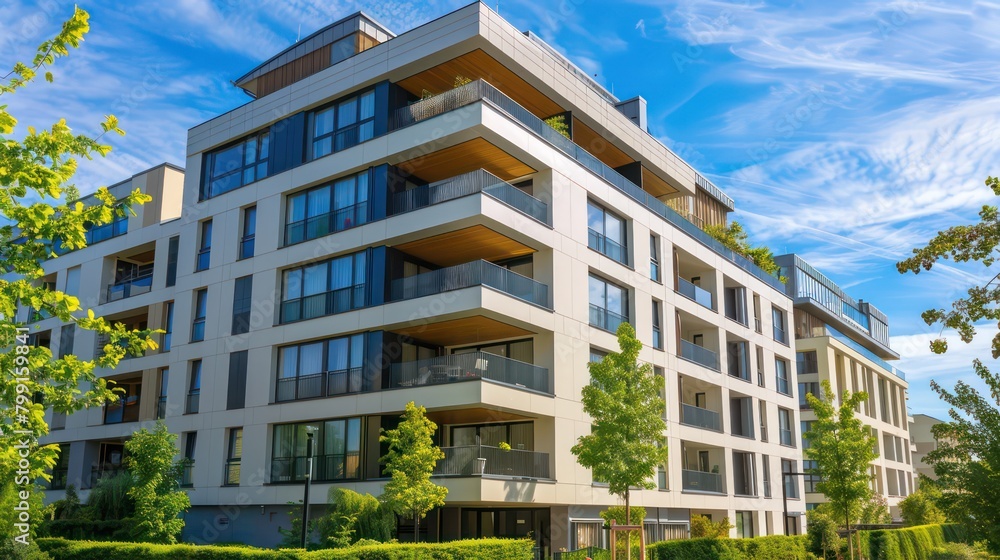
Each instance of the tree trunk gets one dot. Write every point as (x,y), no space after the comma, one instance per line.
(850,541)
(416,526)
(628,521)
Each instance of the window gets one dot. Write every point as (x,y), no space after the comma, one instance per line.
(597,355)
(172,248)
(762,407)
(736,304)
(342,124)
(804,428)
(324,288)
(744,474)
(336,451)
(654,258)
(766,464)
(321,368)
(161,399)
(811,480)
(190,444)
(781,376)
(741,416)
(168,327)
(789,466)
(242,301)
(778,318)
(116,227)
(323,210)
(234,453)
(744,524)
(237,388)
(588,534)
(785,427)
(657,332)
(73,282)
(249,232)
(67,335)
(194,388)
(738,356)
(811,387)
(661,478)
(126,406)
(606,233)
(200,311)
(608,304)
(204,247)
(806,362)
(232,167)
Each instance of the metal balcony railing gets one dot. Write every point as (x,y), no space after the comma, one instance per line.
(702,481)
(325,224)
(326,303)
(607,247)
(780,335)
(479,181)
(467,275)
(340,382)
(694,353)
(231,476)
(344,466)
(480,90)
(478,460)
(701,417)
(695,294)
(469,366)
(193,402)
(605,318)
(130,287)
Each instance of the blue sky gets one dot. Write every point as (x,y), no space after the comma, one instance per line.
(849,132)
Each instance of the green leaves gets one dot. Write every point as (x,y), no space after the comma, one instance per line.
(626,443)
(735,238)
(158,499)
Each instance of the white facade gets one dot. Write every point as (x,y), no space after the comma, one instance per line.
(427,292)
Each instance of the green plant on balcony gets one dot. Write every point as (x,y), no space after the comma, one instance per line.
(735,238)
(504,446)
(461,80)
(558,123)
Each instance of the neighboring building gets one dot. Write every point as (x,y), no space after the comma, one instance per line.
(923,443)
(427,237)
(846,342)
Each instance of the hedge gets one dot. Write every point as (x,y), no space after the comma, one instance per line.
(910,543)
(498,549)
(774,547)
(84,529)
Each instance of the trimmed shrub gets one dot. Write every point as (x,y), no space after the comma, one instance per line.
(957,551)
(85,529)
(495,549)
(774,547)
(910,543)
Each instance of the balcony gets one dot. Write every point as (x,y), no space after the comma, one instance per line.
(322,304)
(470,366)
(479,181)
(476,273)
(518,463)
(129,287)
(702,481)
(346,466)
(700,418)
(480,90)
(695,294)
(605,318)
(327,384)
(703,356)
(607,246)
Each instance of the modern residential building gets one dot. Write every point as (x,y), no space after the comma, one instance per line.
(846,342)
(460,217)
(924,442)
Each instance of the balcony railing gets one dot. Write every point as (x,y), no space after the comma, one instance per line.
(231,476)
(467,275)
(694,353)
(607,247)
(780,335)
(757,325)
(130,287)
(695,294)
(479,181)
(340,382)
(161,407)
(322,304)
(193,402)
(605,318)
(325,224)
(701,417)
(702,481)
(469,366)
(478,460)
(480,90)
(346,466)
(187,474)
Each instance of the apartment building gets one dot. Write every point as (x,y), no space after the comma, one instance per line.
(427,234)
(846,342)
(923,441)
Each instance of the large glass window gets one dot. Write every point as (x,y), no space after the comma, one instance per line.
(806,388)
(657,331)
(324,288)
(654,258)
(785,427)
(606,233)
(204,247)
(336,451)
(608,304)
(322,368)
(168,327)
(194,388)
(781,376)
(97,233)
(343,124)
(791,483)
(327,209)
(200,311)
(232,167)
(234,454)
(811,480)
(249,232)
(242,301)
(161,401)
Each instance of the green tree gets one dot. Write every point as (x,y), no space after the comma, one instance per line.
(920,507)
(34,189)
(821,529)
(735,238)
(704,527)
(626,442)
(843,448)
(410,462)
(157,494)
(353,517)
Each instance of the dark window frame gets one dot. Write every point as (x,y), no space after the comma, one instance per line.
(336,132)
(259,167)
(248,233)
